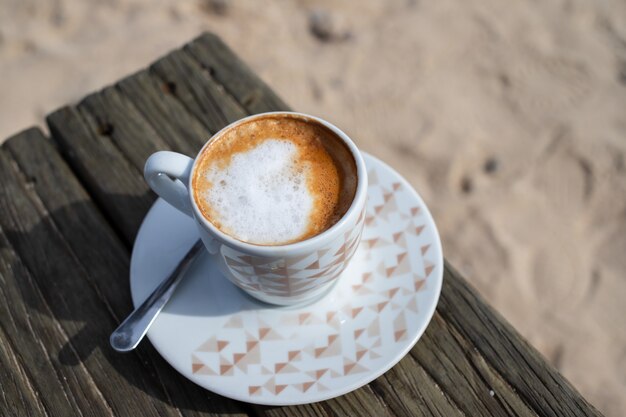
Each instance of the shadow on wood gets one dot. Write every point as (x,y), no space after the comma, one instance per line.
(73,290)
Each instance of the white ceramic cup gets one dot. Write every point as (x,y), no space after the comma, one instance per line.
(284,274)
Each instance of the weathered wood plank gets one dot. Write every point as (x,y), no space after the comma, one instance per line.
(195,88)
(17,391)
(452,365)
(535,381)
(83,226)
(230,71)
(362,402)
(101,254)
(465,352)
(500,388)
(111,114)
(120,126)
(408,390)
(78,309)
(29,327)
(155,100)
(116,186)
(320,409)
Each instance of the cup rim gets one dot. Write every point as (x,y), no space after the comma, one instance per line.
(294,248)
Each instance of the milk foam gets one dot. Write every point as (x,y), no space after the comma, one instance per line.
(261,195)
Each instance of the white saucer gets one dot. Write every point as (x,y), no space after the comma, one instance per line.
(226,342)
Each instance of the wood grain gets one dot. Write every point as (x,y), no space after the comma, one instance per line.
(237,78)
(409,390)
(98,248)
(155,100)
(535,381)
(101,254)
(17,390)
(451,364)
(116,186)
(80,313)
(362,402)
(21,356)
(111,114)
(31,331)
(194,86)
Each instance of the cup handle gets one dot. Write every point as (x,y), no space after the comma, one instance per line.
(167,173)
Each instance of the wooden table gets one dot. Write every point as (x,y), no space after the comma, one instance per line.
(70,206)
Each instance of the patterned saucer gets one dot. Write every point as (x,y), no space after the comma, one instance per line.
(226,342)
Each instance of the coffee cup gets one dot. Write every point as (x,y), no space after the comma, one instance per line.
(278,200)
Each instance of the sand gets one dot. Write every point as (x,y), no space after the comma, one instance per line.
(508,117)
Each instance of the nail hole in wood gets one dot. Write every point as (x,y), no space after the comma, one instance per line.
(105,129)
(169,87)
(209,70)
(251,98)
(31,182)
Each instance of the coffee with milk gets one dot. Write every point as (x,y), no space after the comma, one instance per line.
(275,180)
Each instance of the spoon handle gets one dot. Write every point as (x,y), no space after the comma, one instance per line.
(128,335)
